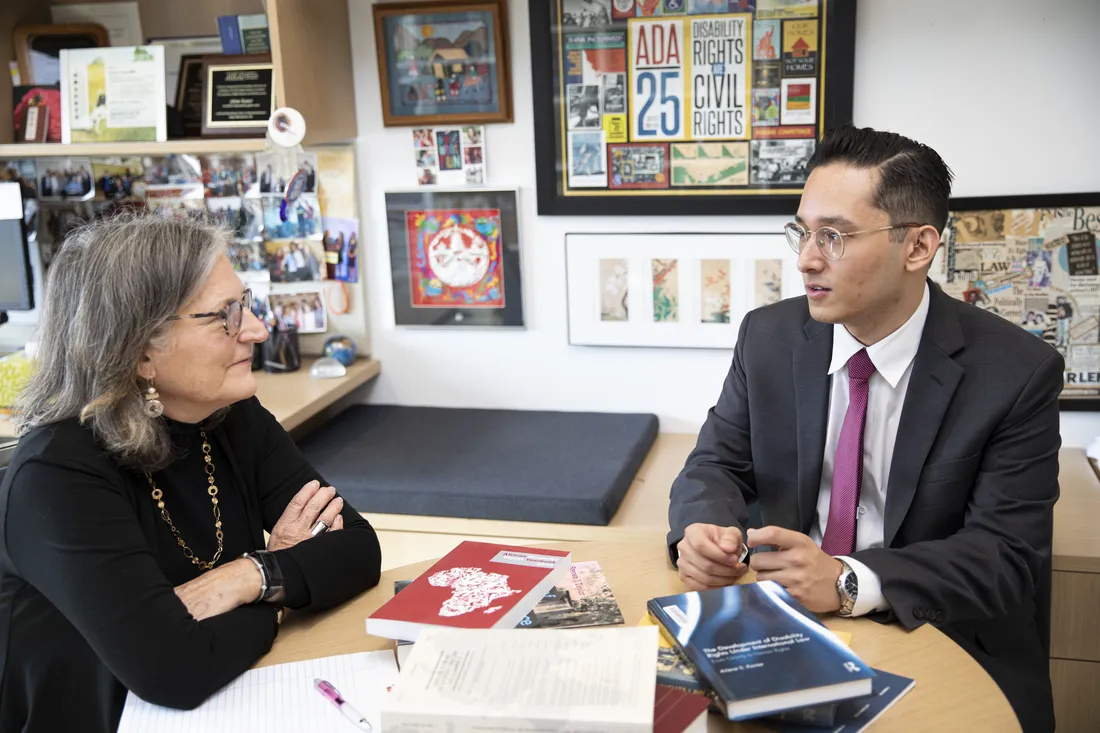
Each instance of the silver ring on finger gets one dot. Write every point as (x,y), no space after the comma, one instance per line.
(318,528)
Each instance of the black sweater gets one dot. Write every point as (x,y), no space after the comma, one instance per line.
(88,567)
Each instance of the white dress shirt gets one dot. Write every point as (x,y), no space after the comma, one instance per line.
(893,359)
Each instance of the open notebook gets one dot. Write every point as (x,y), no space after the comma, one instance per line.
(277,699)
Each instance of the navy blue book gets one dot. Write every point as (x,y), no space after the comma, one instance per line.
(854,715)
(759,650)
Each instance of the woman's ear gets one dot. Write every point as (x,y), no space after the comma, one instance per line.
(146,370)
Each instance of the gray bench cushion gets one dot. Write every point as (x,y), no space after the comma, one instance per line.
(565,467)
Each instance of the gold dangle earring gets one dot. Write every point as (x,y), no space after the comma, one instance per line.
(153,406)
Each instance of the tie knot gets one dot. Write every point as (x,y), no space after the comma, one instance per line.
(860,365)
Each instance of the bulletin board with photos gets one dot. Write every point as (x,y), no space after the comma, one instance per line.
(685,106)
(284,254)
(1033,260)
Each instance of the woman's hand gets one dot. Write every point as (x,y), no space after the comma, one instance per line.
(222,589)
(303,511)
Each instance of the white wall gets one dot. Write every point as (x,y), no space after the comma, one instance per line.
(1003,89)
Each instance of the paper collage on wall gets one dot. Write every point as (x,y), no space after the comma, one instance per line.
(687,290)
(1038,268)
(664,100)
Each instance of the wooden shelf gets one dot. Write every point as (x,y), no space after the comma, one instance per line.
(310,48)
(100,150)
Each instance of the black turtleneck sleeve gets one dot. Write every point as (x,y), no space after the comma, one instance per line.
(327,569)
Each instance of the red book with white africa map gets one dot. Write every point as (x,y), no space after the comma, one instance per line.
(477,585)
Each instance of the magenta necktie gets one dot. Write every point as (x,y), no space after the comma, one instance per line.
(840,532)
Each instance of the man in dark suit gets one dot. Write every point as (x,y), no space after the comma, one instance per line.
(902,445)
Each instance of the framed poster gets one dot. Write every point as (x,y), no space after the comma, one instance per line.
(455,258)
(443,62)
(1033,260)
(685,290)
(685,106)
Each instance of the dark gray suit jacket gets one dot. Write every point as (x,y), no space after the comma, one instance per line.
(972,485)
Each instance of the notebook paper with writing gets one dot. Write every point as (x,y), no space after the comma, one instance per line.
(277,699)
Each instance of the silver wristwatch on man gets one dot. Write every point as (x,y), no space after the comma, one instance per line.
(847,587)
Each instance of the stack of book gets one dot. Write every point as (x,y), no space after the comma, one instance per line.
(487,652)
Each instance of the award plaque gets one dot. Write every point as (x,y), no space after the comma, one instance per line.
(238,95)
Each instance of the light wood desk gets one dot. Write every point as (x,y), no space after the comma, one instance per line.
(292,398)
(1075,623)
(952,692)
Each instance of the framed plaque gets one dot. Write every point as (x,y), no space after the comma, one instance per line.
(685,107)
(238,95)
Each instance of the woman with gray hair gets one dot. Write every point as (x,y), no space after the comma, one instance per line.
(132,516)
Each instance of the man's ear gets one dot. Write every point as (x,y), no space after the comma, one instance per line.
(922,249)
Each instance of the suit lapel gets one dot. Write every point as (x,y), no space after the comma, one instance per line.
(932,384)
(811,386)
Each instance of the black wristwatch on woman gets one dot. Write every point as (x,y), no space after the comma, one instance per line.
(271,575)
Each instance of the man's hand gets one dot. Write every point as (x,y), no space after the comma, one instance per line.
(798,565)
(709,556)
(303,511)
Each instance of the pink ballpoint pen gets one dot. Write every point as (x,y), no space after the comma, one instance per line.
(334,696)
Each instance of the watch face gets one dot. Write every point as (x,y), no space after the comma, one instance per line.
(851,585)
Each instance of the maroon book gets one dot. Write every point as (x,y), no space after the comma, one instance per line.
(477,585)
(676,711)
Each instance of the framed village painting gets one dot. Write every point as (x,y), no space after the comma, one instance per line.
(686,290)
(443,62)
(1033,260)
(455,258)
(685,106)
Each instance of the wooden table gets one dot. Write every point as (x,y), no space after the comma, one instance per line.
(952,692)
(293,398)
(1075,596)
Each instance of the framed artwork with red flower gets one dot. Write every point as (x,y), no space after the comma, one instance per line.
(455,258)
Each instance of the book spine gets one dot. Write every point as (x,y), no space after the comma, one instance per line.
(66,98)
(230,34)
(704,670)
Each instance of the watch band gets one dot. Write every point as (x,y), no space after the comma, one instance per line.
(847,598)
(271,574)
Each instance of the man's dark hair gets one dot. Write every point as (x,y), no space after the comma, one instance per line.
(914,183)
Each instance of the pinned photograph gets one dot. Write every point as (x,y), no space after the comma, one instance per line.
(341,242)
(473,156)
(426,159)
(61,179)
(475,175)
(449,149)
(118,178)
(303,309)
(303,218)
(173,170)
(247,256)
(273,181)
(584,106)
(21,171)
(473,135)
(243,216)
(336,180)
(423,137)
(176,203)
(229,175)
(295,260)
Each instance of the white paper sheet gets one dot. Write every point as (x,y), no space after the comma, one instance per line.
(277,699)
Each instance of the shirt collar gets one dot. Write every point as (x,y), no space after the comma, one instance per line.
(893,354)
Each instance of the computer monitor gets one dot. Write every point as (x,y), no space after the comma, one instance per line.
(16,278)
